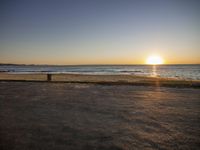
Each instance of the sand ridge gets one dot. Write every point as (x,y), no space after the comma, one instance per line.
(102,79)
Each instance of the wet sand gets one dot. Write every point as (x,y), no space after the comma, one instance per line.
(74,116)
(103,79)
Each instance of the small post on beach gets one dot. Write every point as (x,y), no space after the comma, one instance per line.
(48,77)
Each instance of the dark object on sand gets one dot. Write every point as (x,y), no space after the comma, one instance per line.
(49,77)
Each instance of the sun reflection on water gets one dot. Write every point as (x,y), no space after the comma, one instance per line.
(154,72)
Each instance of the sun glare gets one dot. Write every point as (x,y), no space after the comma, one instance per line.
(154,60)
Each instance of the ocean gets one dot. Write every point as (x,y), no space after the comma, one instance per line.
(167,71)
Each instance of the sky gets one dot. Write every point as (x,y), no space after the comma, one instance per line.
(72,32)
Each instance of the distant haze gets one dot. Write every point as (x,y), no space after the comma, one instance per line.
(99,31)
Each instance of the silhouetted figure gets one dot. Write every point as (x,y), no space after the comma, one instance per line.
(48,77)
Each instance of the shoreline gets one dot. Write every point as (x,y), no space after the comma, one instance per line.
(101,79)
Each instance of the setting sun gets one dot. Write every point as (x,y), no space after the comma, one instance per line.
(154,60)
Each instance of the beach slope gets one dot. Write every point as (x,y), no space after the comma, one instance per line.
(102,79)
(74,116)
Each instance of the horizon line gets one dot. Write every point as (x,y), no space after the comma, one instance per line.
(96,64)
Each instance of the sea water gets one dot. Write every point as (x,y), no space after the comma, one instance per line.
(167,71)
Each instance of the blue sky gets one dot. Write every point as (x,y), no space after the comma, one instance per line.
(99,31)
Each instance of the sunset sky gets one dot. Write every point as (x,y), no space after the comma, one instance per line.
(99,31)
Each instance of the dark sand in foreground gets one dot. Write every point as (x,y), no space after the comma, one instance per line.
(72,116)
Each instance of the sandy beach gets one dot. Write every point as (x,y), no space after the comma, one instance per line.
(83,116)
(102,79)
(100,75)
